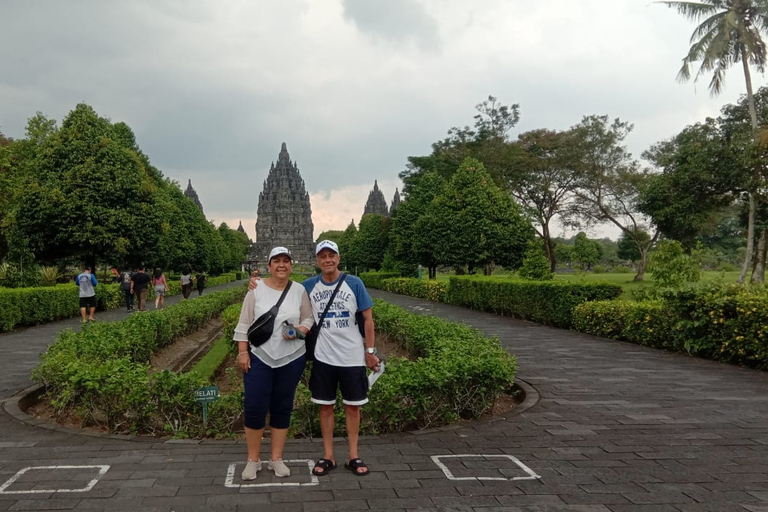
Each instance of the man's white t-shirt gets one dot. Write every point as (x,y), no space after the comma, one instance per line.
(339,342)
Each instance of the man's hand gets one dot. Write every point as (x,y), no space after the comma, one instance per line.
(253,283)
(372,361)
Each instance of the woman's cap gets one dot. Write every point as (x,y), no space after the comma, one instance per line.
(326,244)
(277,251)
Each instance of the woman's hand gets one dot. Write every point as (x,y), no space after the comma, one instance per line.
(244,361)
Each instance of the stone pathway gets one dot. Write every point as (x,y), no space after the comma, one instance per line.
(617,428)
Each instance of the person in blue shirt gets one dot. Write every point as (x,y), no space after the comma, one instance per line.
(87,283)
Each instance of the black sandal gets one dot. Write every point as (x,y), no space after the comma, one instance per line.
(355,464)
(326,466)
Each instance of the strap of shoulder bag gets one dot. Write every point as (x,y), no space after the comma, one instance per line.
(330,301)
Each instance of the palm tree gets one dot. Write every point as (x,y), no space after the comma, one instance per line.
(731,32)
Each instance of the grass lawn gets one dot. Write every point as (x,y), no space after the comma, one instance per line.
(624,280)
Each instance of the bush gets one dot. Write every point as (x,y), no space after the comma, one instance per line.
(550,303)
(374,279)
(459,373)
(671,267)
(100,373)
(722,322)
(435,291)
(535,265)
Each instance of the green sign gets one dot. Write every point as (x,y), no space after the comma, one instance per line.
(208,394)
(204,396)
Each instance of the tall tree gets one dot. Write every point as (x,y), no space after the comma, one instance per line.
(483,224)
(610,182)
(541,178)
(730,31)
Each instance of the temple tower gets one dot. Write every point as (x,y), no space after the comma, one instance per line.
(395,202)
(284,214)
(190,193)
(376,203)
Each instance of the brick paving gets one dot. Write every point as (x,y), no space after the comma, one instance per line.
(616,428)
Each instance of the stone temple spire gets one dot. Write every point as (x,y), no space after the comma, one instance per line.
(284,214)
(240,227)
(190,193)
(376,203)
(395,202)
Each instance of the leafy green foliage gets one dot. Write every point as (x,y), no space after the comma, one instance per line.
(550,303)
(535,265)
(672,267)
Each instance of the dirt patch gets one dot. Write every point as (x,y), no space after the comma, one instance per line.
(174,356)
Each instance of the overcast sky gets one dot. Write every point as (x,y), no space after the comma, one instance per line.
(212,88)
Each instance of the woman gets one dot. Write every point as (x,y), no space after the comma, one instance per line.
(272,371)
(161,286)
(186,282)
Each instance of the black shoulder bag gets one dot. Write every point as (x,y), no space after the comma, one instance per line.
(261,329)
(311,337)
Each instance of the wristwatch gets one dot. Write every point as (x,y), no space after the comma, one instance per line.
(372,350)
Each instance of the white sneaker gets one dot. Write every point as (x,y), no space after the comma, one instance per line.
(279,467)
(251,470)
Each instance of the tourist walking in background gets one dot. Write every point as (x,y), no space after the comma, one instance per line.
(87,283)
(161,286)
(139,284)
(186,282)
(271,371)
(125,287)
(200,278)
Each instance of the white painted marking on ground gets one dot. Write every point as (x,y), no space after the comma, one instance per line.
(449,475)
(102,470)
(230,480)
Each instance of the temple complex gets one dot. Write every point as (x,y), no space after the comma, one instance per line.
(376,203)
(190,193)
(284,215)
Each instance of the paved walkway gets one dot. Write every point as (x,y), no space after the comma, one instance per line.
(617,428)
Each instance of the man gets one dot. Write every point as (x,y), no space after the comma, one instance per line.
(200,278)
(139,284)
(87,282)
(341,354)
(125,286)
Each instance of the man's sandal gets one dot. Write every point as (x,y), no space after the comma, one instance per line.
(325,465)
(355,464)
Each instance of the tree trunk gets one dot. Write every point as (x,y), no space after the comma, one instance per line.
(488,270)
(641,264)
(750,239)
(548,249)
(432,272)
(758,274)
(752,206)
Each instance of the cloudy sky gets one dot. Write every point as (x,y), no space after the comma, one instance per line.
(354,87)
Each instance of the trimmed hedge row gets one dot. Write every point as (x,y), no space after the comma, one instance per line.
(102,372)
(727,323)
(457,373)
(374,279)
(32,306)
(550,303)
(422,288)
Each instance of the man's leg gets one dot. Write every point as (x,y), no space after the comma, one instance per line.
(82,313)
(326,427)
(352,416)
(92,307)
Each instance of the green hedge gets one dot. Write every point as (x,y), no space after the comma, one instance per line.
(550,303)
(727,323)
(458,373)
(374,279)
(32,306)
(435,291)
(102,372)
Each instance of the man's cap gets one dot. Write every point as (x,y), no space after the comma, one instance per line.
(277,251)
(326,244)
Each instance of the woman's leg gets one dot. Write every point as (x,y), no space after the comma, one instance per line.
(257,385)
(284,383)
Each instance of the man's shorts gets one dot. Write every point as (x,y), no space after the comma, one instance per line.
(88,301)
(326,378)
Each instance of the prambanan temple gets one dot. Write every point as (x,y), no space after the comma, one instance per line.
(284,214)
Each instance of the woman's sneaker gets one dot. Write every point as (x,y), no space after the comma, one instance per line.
(251,470)
(279,467)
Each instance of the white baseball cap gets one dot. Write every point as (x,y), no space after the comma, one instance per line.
(277,251)
(326,244)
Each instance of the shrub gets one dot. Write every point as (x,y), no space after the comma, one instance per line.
(673,268)
(101,371)
(435,291)
(535,265)
(374,279)
(550,303)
